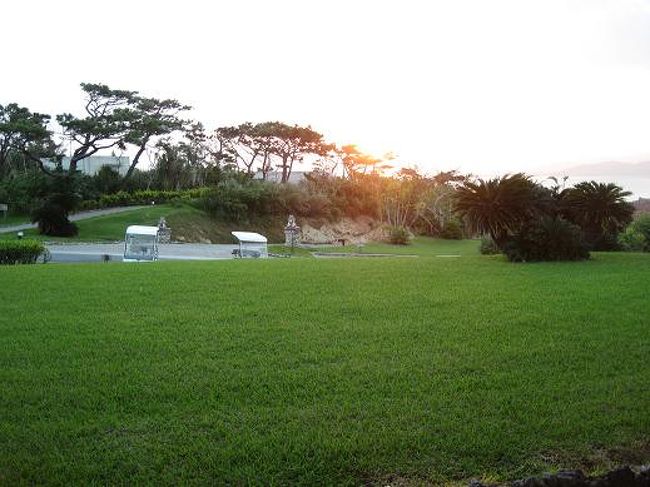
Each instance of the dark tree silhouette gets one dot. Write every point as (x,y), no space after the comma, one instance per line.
(600,210)
(24,132)
(499,206)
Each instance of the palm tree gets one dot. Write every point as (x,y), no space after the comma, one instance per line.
(500,206)
(600,210)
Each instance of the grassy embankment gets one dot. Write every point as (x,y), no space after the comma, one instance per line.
(188,223)
(11,220)
(322,371)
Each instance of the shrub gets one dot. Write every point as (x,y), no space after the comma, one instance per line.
(399,235)
(452,230)
(107,180)
(56,199)
(637,236)
(602,241)
(20,251)
(139,181)
(488,247)
(547,239)
(632,241)
(53,221)
(642,225)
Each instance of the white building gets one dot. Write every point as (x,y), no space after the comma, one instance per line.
(91,165)
(276,176)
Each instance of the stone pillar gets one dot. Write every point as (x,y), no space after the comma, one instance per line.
(164,232)
(291,233)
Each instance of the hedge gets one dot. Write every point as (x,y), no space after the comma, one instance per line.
(547,239)
(145,197)
(20,251)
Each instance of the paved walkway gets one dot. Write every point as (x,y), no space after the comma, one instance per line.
(115,252)
(82,215)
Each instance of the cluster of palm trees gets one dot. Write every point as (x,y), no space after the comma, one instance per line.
(528,221)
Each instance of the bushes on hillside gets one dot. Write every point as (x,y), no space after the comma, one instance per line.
(233,201)
(144,197)
(345,197)
(547,239)
(20,251)
(236,201)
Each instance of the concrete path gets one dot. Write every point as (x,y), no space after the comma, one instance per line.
(355,255)
(115,252)
(82,215)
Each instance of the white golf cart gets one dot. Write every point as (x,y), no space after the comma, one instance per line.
(251,245)
(141,244)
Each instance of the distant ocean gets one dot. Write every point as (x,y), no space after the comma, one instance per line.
(639,186)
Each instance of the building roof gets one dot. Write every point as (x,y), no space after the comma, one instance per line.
(141,230)
(249,237)
(93,164)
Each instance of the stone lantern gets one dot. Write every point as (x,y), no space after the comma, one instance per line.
(164,232)
(291,233)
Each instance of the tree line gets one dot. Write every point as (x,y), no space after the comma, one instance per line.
(522,218)
(185,155)
(120,119)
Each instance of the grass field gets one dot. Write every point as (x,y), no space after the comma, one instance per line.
(322,371)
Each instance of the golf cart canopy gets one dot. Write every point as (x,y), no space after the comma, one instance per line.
(141,230)
(140,243)
(251,245)
(249,237)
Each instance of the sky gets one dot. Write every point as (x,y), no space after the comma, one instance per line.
(479,86)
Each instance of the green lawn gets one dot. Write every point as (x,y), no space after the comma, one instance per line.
(11,220)
(326,372)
